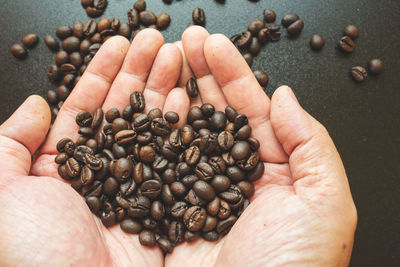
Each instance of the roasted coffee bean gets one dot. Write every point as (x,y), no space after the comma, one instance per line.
(178,209)
(249,163)
(204,171)
(94,204)
(155,113)
(220,183)
(262,77)
(269,15)
(30,40)
(210,224)
(87,176)
(125,29)
(77,29)
(163,21)
(84,46)
(214,206)
(225,140)
(115,23)
(230,113)
(137,102)
(109,218)
(95,189)
(140,207)
(208,143)
(235,38)
(351,31)
(97,118)
(359,73)
(112,114)
(240,121)
(288,19)
(62,171)
(224,210)
(89,28)
(255,46)
(86,3)
(123,169)
(68,82)
(86,131)
(94,12)
(317,42)
(178,189)
(194,218)
(54,73)
(51,43)
(81,141)
(167,195)
(189,180)
(81,151)
(249,59)
(165,245)
(147,18)
(157,210)
(375,66)
(192,155)
(218,164)
(204,190)
(131,226)
(191,236)
(111,186)
(61,158)
(296,27)
(76,59)
(93,162)
(71,44)
(243,133)
(147,238)
(193,199)
(147,154)
(346,44)
(187,135)
(63,32)
(168,176)
(235,173)
(256,172)
(149,223)
(192,88)
(140,5)
(224,226)
(255,26)
(199,16)
(176,232)
(244,40)
(62,92)
(160,127)
(67,69)
(151,189)
(241,150)
(273,27)
(100,4)
(125,137)
(218,121)
(264,35)
(247,188)
(253,143)
(72,167)
(118,125)
(275,36)
(61,144)
(194,114)
(94,47)
(211,236)
(171,117)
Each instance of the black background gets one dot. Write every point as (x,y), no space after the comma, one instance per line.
(363,119)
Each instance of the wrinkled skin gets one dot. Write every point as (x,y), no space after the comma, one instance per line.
(301,214)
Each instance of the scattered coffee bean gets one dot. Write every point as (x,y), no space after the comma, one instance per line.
(375,66)
(359,73)
(269,15)
(351,31)
(30,40)
(18,51)
(147,18)
(140,5)
(296,27)
(198,16)
(244,40)
(255,26)
(51,43)
(262,77)
(288,19)
(346,44)
(317,42)
(163,21)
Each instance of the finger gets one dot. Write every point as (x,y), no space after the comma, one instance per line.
(314,161)
(135,69)
(163,76)
(90,91)
(193,40)
(22,134)
(178,101)
(243,93)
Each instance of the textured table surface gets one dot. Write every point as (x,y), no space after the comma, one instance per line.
(363,119)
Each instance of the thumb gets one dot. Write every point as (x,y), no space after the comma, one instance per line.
(22,134)
(314,161)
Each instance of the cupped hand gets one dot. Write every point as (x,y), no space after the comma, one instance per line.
(302,213)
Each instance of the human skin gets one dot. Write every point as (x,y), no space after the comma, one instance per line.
(302,213)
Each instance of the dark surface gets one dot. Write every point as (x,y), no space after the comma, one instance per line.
(363,119)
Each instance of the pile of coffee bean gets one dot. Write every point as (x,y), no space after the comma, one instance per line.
(94,8)
(167,185)
(260,32)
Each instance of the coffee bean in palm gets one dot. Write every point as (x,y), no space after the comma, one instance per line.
(199,16)
(247,188)
(192,88)
(147,18)
(54,73)
(269,15)
(18,51)
(71,44)
(140,5)
(255,26)
(296,27)
(288,19)
(171,117)
(176,232)
(262,77)
(147,238)
(112,114)
(30,40)
(94,204)
(351,31)
(255,46)
(346,44)
(317,42)
(256,172)
(165,245)
(163,21)
(225,225)
(194,218)
(375,66)
(240,150)
(131,226)
(63,32)
(218,121)
(51,43)
(359,73)
(211,236)
(245,40)
(137,101)
(125,30)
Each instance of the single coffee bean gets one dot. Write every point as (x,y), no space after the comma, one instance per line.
(192,88)
(262,77)
(168,176)
(71,44)
(115,23)
(94,204)
(160,127)
(192,155)
(199,16)
(165,245)
(178,209)
(125,29)
(123,169)
(210,224)
(72,167)
(87,176)
(235,38)
(52,97)
(111,186)
(275,36)
(84,119)
(255,46)
(131,226)
(145,138)
(109,218)
(359,73)
(296,27)
(30,40)
(269,15)
(68,82)
(67,68)
(97,118)
(235,173)
(100,4)
(218,164)
(241,150)
(89,28)
(139,207)
(176,232)
(178,189)
(218,121)
(247,188)
(288,19)
(94,12)
(208,143)
(254,143)
(220,183)
(351,31)
(137,102)
(224,210)
(61,158)
(204,171)
(166,195)
(264,35)
(86,3)
(240,120)
(375,66)
(147,154)
(125,137)
(147,238)
(346,44)
(140,5)
(195,113)
(230,113)
(54,73)
(51,43)
(18,51)
(163,21)
(119,124)
(112,114)
(151,188)
(76,59)
(155,113)
(317,42)
(224,226)
(256,173)
(243,133)
(244,40)
(171,117)
(195,218)
(63,32)
(204,190)
(213,206)
(187,135)
(255,26)
(273,27)
(147,18)
(157,210)
(211,236)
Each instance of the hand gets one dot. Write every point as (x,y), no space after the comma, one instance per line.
(43,220)
(302,213)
